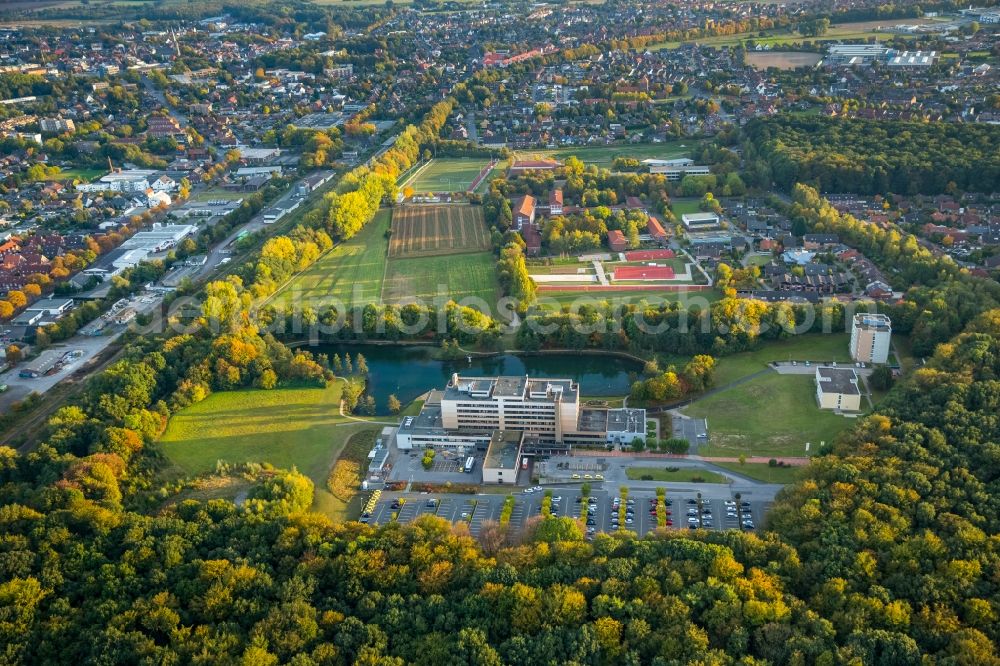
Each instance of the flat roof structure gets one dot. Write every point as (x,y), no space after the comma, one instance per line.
(837,380)
(873,322)
(493,388)
(321,121)
(505,446)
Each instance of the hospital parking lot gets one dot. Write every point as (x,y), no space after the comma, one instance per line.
(687,510)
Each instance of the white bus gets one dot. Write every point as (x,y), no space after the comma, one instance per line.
(470,463)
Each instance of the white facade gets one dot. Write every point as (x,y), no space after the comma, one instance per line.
(675,173)
(699,220)
(871,335)
(120,181)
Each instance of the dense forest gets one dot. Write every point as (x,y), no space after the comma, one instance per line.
(869,157)
(885,554)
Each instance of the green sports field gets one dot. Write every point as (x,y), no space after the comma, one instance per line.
(603,156)
(350,273)
(771,415)
(455,276)
(559,299)
(447,174)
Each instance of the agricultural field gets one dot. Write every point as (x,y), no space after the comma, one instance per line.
(351,272)
(425,231)
(603,156)
(771,415)
(457,276)
(287,427)
(782,59)
(447,174)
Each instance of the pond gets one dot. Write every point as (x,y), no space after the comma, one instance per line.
(409,371)
(782,59)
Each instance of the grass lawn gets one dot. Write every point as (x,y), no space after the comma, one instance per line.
(497,172)
(811,347)
(350,468)
(603,156)
(779,36)
(772,415)
(550,299)
(352,269)
(681,475)
(218,194)
(287,427)
(458,276)
(685,207)
(448,174)
(85,175)
(763,471)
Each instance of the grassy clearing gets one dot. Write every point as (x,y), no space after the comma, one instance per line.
(85,175)
(350,273)
(763,471)
(448,174)
(603,156)
(680,475)
(286,427)
(772,415)
(811,347)
(344,481)
(290,427)
(457,276)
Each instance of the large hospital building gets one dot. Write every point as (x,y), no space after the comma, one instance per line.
(545,416)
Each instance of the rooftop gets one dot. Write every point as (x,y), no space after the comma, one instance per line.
(522,387)
(503,450)
(873,322)
(837,380)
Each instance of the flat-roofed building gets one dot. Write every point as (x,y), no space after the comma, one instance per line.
(871,335)
(471,410)
(855,54)
(503,455)
(837,388)
(699,221)
(675,173)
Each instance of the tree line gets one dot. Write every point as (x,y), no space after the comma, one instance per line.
(877,157)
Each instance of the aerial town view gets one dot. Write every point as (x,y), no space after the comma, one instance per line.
(489,332)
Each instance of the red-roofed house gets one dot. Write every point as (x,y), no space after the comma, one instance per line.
(524,211)
(532,240)
(616,241)
(656,231)
(556,202)
(634,203)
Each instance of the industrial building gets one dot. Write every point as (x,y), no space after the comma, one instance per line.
(871,335)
